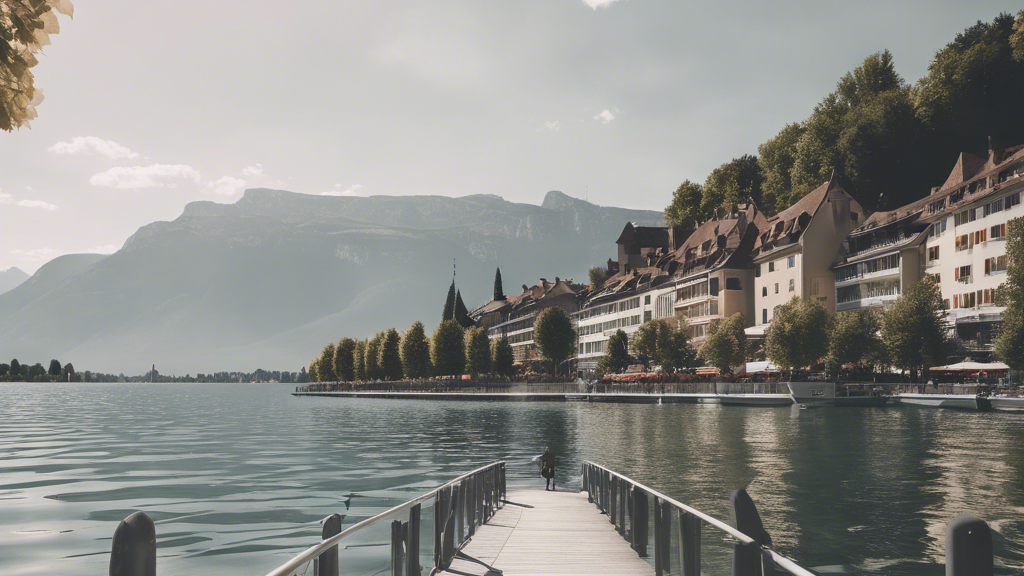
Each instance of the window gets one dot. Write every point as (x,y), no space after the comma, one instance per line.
(814,287)
(993,265)
(994,207)
(937,228)
(792,285)
(1012,200)
(933,253)
(757,271)
(963,242)
(764,291)
(961,218)
(980,236)
(647,316)
(647,300)
(937,206)
(732,284)
(962,274)
(764,316)
(997,231)
(791,261)
(771,266)
(776,287)
(713,282)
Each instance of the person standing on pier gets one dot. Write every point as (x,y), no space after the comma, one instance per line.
(547,468)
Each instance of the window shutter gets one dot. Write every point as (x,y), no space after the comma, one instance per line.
(956,274)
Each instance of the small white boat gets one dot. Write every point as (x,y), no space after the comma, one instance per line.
(959,401)
(812,392)
(1007,403)
(755,399)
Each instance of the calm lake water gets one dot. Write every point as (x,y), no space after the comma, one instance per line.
(237,477)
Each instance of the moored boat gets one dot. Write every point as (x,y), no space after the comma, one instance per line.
(958,401)
(755,399)
(812,392)
(1007,403)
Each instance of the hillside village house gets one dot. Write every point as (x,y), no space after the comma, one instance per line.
(794,254)
(715,273)
(514,316)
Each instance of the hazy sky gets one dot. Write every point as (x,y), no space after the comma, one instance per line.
(151,105)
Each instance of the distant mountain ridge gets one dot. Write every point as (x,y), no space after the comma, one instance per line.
(268,280)
(11,278)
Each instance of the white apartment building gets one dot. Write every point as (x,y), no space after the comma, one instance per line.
(794,254)
(880,260)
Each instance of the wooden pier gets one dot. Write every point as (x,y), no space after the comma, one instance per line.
(540,532)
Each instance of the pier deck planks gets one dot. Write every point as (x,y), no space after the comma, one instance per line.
(561,534)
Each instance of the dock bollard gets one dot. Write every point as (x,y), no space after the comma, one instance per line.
(327,562)
(747,559)
(968,547)
(133,550)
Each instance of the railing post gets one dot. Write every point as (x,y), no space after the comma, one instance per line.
(689,544)
(440,515)
(666,537)
(639,523)
(460,512)
(659,568)
(623,506)
(968,547)
(412,543)
(327,563)
(448,533)
(133,549)
(397,547)
(471,505)
(611,503)
(747,559)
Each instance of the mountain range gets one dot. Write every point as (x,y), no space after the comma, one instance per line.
(267,281)
(11,278)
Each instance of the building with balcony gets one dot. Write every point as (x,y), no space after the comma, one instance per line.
(879,260)
(794,254)
(514,316)
(714,272)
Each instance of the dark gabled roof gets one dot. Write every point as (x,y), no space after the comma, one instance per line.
(967,166)
(714,243)
(793,220)
(643,236)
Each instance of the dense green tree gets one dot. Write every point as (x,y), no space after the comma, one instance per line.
(359,361)
(36,372)
(25,27)
(726,343)
(302,378)
(616,356)
(915,332)
(389,357)
(502,358)
(344,368)
(416,352)
(554,335)
(54,368)
(663,342)
(314,369)
(373,371)
(478,351)
(499,291)
(598,275)
(776,157)
(731,184)
(853,339)
(325,367)
(973,86)
(5,370)
(685,208)
(798,335)
(16,369)
(449,304)
(68,373)
(1010,343)
(447,349)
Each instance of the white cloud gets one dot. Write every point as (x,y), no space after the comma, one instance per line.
(552,125)
(89,145)
(254,170)
(152,176)
(105,249)
(605,116)
(36,254)
(5,198)
(595,4)
(226,185)
(350,191)
(37,204)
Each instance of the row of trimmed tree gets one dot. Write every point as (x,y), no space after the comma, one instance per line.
(451,351)
(18,372)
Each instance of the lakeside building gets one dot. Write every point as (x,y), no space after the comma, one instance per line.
(794,254)
(513,317)
(714,271)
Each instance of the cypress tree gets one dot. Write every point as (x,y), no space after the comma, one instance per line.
(373,357)
(449,304)
(359,361)
(461,313)
(389,357)
(499,291)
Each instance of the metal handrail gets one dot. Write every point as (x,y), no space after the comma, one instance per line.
(288,568)
(786,563)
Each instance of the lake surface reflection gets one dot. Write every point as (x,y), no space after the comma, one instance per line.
(237,477)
